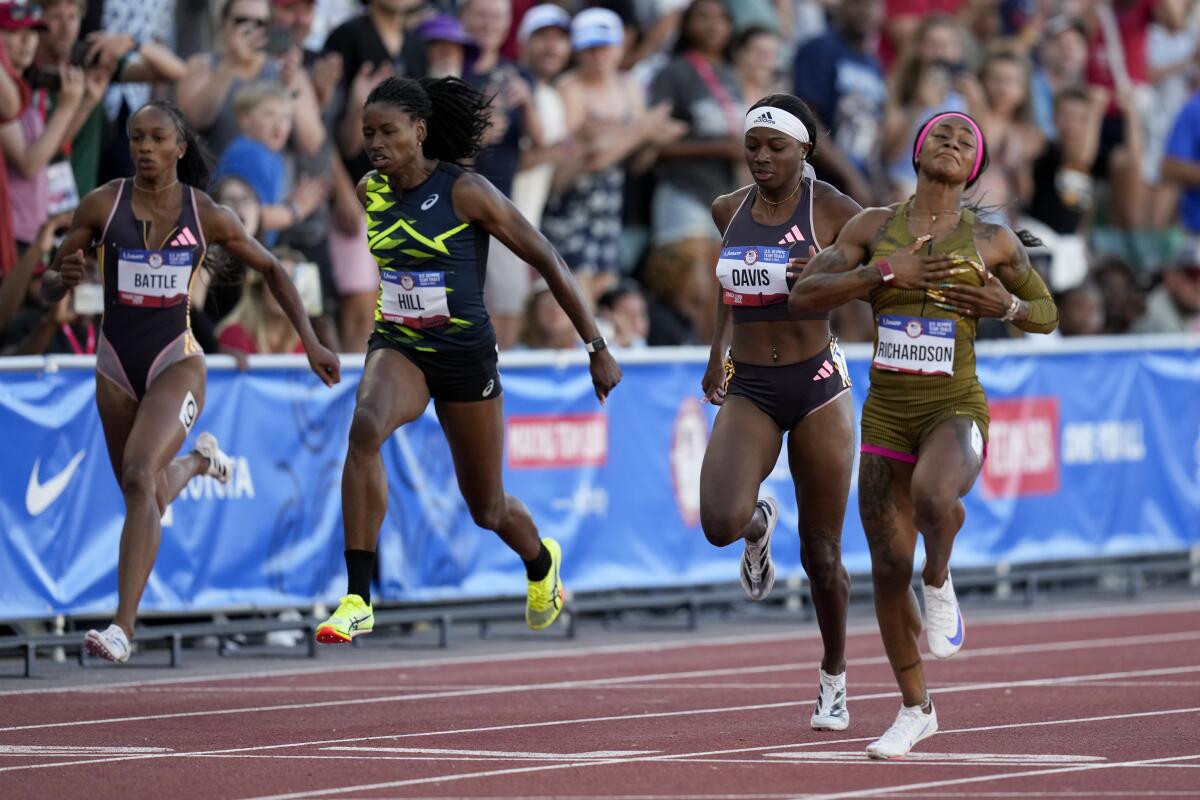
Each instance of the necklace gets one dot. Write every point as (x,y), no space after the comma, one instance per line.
(776,203)
(933,215)
(159,190)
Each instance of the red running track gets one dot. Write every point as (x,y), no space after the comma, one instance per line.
(1103,704)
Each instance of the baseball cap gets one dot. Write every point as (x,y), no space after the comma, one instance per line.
(546,15)
(444,28)
(20,16)
(595,27)
(1061,24)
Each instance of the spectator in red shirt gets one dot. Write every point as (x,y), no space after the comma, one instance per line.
(14,97)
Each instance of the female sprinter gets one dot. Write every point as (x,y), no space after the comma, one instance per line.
(428,222)
(931,269)
(784,376)
(150,234)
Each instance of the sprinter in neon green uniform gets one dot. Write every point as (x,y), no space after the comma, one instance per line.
(930,269)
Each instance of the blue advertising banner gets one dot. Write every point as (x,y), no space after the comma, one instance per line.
(1094,450)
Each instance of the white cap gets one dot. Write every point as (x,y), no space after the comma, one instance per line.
(546,15)
(594,27)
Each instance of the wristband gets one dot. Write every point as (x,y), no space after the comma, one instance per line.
(295,212)
(595,345)
(1013,308)
(885,270)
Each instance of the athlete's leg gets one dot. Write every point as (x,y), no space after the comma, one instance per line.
(741,453)
(117,413)
(948,463)
(821,457)
(475,433)
(392,392)
(886,511)
(156,436)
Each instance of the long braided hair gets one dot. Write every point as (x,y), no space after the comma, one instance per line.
(456,114)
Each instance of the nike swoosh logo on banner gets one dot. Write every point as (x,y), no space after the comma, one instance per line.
(39,496)
(956,639)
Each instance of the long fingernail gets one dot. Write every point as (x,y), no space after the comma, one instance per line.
(945,307)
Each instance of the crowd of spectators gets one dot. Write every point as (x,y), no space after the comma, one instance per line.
(615,123)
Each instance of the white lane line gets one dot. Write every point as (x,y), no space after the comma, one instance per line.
(1004,619)
(654,715)
(517,754)
(76,750)
(668,758)
(986,652)
(957,759)
(897,791)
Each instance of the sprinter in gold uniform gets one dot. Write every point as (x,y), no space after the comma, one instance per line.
(931,269)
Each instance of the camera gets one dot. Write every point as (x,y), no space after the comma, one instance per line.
(79,55)
(47,79)
(279,40)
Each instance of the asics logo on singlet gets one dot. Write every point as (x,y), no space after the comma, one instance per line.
(429,202)
(490,385)
(764,117)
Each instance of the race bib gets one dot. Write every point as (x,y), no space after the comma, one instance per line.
(414,299)
(916,345)
(753,276)
(153,278)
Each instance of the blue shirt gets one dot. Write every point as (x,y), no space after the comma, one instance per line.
(1184,144)
(846,89)
(259,166)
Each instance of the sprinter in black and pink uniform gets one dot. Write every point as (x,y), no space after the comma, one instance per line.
(150,234)
(784,374)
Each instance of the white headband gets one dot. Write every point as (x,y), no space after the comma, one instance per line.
(776,118)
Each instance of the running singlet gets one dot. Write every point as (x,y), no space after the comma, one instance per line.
(147,293)
(753,263)
(920,348)
(431,266)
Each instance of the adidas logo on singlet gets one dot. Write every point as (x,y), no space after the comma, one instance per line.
(792,236)
(764,117)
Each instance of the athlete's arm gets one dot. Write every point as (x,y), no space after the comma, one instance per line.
(66,271)
(476,200)
(834,275)
(713,381)
(224,228)
(1012,284)
(838,273)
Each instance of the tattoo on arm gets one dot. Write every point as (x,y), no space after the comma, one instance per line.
(881,232)
(831,259)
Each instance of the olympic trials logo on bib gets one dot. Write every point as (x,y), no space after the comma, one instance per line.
(406,282)
(155,260)
(751,257)
(429,202)
(913,328)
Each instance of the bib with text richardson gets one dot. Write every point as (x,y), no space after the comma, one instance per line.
(916,345)
(415,299)
(753,275)
(153,278)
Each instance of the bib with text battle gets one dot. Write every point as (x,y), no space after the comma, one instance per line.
(153,278)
